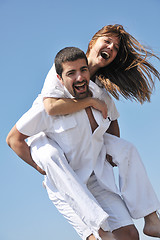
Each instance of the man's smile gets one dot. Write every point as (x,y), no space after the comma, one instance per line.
(80,86)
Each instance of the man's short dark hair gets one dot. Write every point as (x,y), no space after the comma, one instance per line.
(66,55)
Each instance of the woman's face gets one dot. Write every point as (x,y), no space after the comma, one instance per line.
(104,51)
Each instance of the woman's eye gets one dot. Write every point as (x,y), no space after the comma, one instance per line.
(117,49)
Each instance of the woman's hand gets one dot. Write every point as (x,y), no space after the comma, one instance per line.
(100,106)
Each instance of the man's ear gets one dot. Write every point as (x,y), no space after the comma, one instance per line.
(60,79)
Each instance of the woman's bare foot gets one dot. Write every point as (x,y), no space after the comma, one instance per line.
(152,225)
(106,235)
(91,237)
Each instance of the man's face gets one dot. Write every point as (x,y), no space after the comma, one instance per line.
(75,77)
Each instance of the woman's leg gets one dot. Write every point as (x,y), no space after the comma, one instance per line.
(48,155)
(126,233)
(119,219)
(152,225)
(135,187)
(81,228)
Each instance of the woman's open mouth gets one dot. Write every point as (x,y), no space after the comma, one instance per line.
(104,55)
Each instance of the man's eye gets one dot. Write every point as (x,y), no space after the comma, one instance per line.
(70,74)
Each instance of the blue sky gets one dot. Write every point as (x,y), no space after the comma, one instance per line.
(32,32)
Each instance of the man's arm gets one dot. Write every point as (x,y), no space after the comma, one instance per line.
(16,141)
(63,106)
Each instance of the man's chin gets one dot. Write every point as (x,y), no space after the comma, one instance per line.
(81,95)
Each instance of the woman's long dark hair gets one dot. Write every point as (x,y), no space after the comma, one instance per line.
(130,74)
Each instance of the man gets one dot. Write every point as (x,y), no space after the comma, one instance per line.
(75,77)
(81,137)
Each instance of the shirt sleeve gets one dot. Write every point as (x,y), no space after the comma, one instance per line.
(33,121)
(52,86)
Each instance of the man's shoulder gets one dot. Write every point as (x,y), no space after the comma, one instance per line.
(52,86)
(94,87)
(98,92)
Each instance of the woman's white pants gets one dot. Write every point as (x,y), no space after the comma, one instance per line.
(89,207)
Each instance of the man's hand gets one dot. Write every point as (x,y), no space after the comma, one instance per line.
(100,106)
(40,170)
(109,159)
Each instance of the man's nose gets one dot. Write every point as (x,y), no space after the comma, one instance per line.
(79,77)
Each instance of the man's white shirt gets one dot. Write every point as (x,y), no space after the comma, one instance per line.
(72,132)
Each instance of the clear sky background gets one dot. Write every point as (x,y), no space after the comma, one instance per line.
(32,32)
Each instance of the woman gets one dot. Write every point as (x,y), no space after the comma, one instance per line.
(122,66)
(119,63)
(130,74)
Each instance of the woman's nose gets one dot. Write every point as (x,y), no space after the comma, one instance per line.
(111,46)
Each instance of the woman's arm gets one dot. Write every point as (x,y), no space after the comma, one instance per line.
(63,106)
